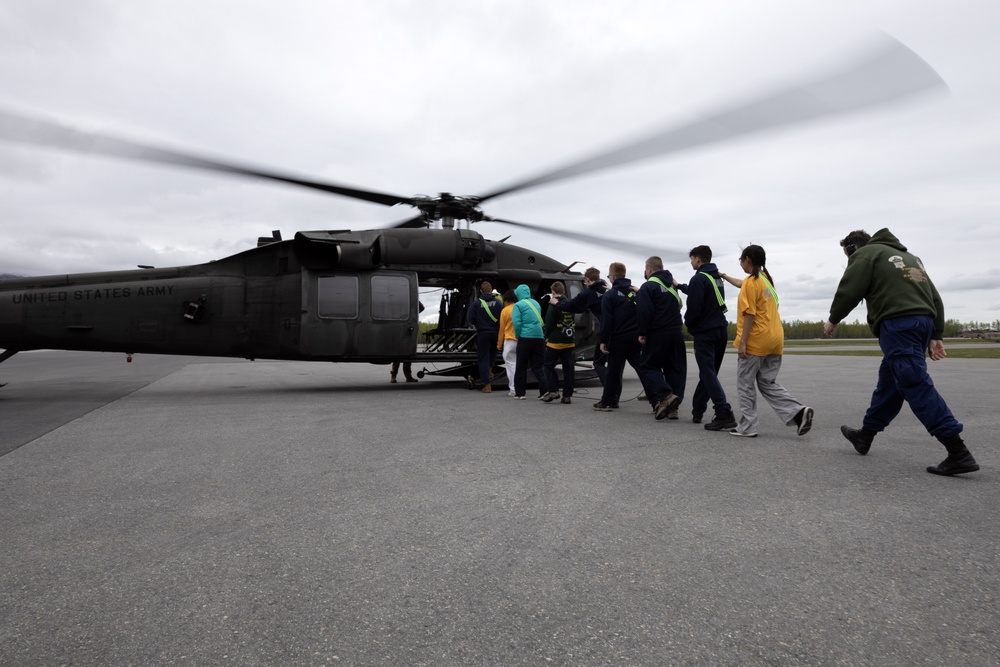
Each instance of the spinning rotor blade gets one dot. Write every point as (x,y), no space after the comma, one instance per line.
(38,132)
(893,72)
(633,247)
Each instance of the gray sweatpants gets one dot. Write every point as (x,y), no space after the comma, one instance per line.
(762,372)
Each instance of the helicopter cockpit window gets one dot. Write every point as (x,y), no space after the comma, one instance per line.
(338,297)
(390,298)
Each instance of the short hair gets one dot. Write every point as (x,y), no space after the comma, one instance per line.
(509,296)
(702,252)
(486,286)
(859,238)
(593,274)
(558,287)
(617,270)
(654,262)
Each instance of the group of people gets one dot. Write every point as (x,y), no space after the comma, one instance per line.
(643,327)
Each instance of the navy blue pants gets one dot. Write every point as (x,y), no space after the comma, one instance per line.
(709,349)
(621,350)
(486,353)
(566,357)
(663,365)
(903,377)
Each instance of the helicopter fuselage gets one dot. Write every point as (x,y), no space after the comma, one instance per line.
(324,296)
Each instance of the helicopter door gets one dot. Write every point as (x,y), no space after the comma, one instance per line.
(359,315)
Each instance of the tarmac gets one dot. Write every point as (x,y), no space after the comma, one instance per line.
(184,511)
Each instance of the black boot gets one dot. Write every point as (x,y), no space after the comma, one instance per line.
(723,421)
(861,438)
(959,458)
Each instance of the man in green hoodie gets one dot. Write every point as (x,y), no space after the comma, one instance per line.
(906,313)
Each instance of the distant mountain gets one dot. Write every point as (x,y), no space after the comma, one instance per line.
(10,275)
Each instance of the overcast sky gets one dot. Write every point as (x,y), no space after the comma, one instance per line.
(419,97)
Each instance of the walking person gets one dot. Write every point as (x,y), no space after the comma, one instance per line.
(560,344)
(526,318)
(589,298)
(484,315)
(506,340)
(905,311)
(760,342)
(619,334)
(705,318)
(663,358)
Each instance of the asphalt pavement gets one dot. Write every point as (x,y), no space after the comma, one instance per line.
(181,511)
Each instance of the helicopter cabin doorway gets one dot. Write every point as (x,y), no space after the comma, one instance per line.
(359,316)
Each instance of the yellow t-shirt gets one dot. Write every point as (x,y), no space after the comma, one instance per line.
(506,326)
(766,335)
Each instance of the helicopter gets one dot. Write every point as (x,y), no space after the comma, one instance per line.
(353,296)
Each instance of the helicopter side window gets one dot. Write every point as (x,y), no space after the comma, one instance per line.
(337,297)
(390,298)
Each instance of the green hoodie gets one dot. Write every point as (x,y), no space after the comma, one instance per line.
(892,281)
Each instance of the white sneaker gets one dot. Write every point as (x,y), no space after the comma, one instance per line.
(742,435)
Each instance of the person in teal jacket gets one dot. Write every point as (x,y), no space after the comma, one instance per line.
(527,320)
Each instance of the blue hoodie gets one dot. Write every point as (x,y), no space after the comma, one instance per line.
(479,317)
(618,311)
(526,316)
(657,308)
(703,310)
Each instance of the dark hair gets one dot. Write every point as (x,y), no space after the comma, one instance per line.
(509,296)
(758,258)
(702,252)
(593,274)
(859,238)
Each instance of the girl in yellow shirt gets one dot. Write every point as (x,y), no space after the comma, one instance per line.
(760,341)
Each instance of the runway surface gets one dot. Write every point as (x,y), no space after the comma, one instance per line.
(180,511)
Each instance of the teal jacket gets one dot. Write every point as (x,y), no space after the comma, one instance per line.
(892,282)
(526,315)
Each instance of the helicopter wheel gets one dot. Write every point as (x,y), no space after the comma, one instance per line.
(420,375)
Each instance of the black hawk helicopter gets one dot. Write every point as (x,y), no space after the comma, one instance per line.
(352,296)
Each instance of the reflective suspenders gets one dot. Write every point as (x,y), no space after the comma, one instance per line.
(718,293)
(667,289)
(488,311)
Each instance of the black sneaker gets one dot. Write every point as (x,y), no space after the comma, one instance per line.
(804,420)
(600,407)
(696,416)
(723,421)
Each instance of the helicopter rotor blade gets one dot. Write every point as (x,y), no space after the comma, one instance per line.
(643,249)
(891,73)
(38,132)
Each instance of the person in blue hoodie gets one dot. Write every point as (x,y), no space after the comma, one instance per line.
(706,321)
(526,318)
(484,316)
(619,334)
(663,361)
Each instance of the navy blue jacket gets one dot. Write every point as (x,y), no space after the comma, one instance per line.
(703,310)
(618,312)
(658,309)
(478,316)
(589,298)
